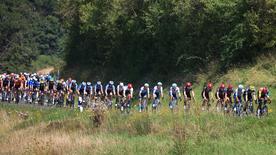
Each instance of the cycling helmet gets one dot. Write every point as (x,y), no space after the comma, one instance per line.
(99,82)
(129,86)
(159,84)
(252,88)
(74,81)
(230,86)
(188,84)
(111,82)
(88,83)
(240,86)
(265,90)
(121,84)
(209,85)
(146,85)
(174,85)
(222,85)
(83,83)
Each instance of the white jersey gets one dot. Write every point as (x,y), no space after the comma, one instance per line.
(157,91)
(175,92)
(144,92)
(120,90)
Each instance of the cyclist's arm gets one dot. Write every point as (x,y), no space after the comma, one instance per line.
(105,91)
(117,90)
(161,90)
(131,93)
(114,91)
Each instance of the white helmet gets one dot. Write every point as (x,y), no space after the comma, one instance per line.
(83,83)
(174,85)
(146,85)
(88,83)
(99,82)
(121,84)
(111,82)
(240,86)
(159,84)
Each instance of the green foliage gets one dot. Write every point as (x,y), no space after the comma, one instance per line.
(157,39)
(44,61)
(28,28)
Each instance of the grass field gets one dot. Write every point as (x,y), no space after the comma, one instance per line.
(65,131)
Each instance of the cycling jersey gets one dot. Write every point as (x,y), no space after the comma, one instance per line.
(157,91)
(51,85)
(120,90)
(229,92)
(221,93)
(128,92)
(206,92)
(6,82)
(143,92)
(59,86)
(188,91)
(238,94)
(88,89)
(174,92)
(262,94)
(42,86)
(71,86)
(98,88)
(12,81)
(249,94)
(36,84)
(82,88)
(109,89)
(17,84)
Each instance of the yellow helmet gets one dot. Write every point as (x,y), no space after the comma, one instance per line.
(252,88)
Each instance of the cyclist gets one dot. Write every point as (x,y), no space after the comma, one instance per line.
(36,85)
(71,91)
(157,95)
(6,83)
(128,93)
(98,89)
(17,88)
(42,90)
(188,94)
(89,89)
(82,92)
(228,96)
(238,95)
(120,94)
(110,89)
(250,96)
(207,95)
(220,95)
(144,95)
(11,85)
(263,98)
(174,95)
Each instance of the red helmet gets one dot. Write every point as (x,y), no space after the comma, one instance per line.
(188,84)
(265,90)
(230,86)
(222,85)
(210,85)
(129,86)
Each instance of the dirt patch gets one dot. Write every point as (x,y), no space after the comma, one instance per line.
(47,70)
